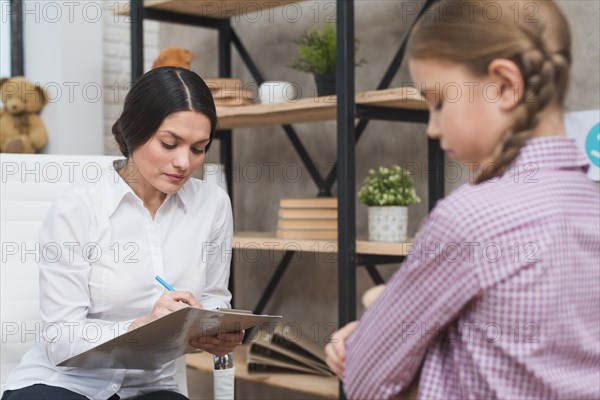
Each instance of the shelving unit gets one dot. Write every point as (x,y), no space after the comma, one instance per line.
(214,9)
(270,242)
(393,104)
(314,109)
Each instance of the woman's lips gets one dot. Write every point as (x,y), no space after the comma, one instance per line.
(174,177)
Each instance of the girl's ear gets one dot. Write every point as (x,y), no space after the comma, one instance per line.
(507,75)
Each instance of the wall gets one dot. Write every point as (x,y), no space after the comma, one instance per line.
(116,44)
(4,41)
(60,43)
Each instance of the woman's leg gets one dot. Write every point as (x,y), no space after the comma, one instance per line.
(162,395)
(45,392)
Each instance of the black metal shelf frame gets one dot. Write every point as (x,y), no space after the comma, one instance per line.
(17,54)
(348,135)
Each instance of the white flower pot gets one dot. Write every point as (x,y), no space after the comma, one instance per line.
(388,224)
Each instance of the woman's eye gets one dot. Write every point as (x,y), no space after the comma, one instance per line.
(168,146)
(197,151)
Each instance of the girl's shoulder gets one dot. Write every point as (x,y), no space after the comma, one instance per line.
(507,204)
(476,211)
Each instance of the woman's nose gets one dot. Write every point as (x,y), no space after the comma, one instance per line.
(181,160)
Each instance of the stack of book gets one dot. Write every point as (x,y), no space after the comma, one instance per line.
(229,92)
(285,351)
(308,218)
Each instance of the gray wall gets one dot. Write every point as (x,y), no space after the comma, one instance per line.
(308,293)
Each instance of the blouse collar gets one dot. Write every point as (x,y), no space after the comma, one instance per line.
(120,189)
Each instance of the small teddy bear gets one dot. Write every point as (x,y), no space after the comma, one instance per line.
(174,57)
(21,128)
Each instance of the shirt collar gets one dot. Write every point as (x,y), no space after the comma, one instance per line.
(185,195)
(120,189)
(551,152)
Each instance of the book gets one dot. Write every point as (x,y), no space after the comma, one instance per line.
(318,202)
(280,351)
(307,233)
(314,213)
(165,339)
(307,224)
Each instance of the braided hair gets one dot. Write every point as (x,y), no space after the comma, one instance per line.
(538,41)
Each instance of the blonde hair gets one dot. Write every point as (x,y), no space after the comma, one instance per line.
(533,34)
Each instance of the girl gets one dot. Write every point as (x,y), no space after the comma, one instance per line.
(161,220)
(499,297)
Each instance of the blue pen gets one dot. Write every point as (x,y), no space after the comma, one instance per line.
(165,284)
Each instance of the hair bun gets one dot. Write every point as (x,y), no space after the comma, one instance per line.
(118,134)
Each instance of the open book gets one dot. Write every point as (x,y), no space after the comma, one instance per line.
(280,351)
(163,340)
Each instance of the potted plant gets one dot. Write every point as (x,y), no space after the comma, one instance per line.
(316,55)
(387,192)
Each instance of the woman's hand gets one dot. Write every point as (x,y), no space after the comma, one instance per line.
(218,345)
(335,351)
(169,302)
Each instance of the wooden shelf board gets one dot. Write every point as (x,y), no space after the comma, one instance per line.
(215,8)
(316,385)
(268,241)
(313,109)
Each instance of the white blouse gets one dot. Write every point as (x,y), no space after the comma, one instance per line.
(100,253)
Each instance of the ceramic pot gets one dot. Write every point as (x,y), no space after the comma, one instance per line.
(325,84)
(388,224)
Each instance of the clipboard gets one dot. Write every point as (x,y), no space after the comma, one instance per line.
(165,339)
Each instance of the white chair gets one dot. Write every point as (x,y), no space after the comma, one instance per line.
(29,185)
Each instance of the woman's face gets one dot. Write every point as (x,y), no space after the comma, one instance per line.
(174,153)
(465,113)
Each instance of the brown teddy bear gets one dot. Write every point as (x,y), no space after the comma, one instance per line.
(21,128)
(174,57)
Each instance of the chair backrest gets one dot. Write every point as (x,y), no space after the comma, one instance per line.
(29,185)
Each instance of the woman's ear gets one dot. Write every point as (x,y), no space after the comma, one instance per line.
(507,75)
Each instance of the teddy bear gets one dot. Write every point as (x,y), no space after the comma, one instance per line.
(174,57)
(21,128)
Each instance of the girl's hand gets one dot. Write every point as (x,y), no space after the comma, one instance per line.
(169,302)
(335,351)
(218,345)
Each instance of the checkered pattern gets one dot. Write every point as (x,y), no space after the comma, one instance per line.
(500,295)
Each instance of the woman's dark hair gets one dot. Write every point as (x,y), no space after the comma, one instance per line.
(157,94)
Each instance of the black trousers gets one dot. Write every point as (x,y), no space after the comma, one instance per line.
(45,392)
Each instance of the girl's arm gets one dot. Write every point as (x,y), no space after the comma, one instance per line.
(429,291)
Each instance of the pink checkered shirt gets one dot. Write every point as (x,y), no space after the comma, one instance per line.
(500,295)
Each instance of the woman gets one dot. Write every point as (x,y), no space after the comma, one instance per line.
(112,237)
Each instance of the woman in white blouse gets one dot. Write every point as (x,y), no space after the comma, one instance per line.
(145,217)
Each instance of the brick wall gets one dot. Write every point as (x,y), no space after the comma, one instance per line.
(117,64)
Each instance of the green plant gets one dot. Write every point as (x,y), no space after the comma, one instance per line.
(388,187)
(316,51)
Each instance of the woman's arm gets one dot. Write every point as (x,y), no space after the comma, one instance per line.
(218,258)
(65,268)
